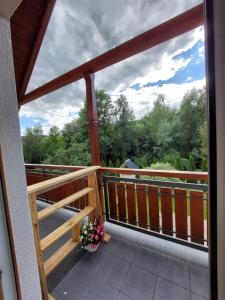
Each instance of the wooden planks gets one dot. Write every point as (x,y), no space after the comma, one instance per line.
(65,227)
(170,29)
(36,231)
(54,260)
(121,198)
(142,205)
(132,218)
(180,197)
(112,199)
(1,288)
(157,173)
(50,297)
(166,209)
(41,187)
(153,208)
(197,217)
(53,208)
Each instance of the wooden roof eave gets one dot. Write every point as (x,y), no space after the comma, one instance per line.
(174,27)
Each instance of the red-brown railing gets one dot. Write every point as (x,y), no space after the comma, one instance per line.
(174,209)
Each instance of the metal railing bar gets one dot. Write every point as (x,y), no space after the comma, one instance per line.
(171,184)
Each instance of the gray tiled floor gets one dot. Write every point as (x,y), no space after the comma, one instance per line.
(134,266)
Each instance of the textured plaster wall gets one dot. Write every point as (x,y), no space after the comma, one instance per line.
(10,142)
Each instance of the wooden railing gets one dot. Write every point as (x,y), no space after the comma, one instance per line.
(92,209)
(174,210)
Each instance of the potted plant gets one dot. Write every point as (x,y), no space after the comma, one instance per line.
(91,235)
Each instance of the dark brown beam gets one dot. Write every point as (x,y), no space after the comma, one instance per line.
(36,47)
(162,33)
(92,116)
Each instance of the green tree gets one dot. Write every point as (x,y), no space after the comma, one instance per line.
(33,145)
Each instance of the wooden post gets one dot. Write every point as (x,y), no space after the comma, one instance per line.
(92,116)
(34,216)
(76,233)
(92,199)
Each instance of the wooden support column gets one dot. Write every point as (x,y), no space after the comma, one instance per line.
(92,116)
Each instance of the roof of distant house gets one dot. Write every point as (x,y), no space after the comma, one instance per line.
(129,164)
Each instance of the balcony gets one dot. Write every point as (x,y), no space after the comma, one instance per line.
(158,227)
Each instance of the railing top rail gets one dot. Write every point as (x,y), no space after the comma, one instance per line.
(47,185)
(158,183)
(143,172)
(55,167)
(157,173)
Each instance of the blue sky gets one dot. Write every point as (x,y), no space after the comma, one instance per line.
(194,70)
(172,68)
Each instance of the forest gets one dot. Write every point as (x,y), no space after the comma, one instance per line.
(164,138)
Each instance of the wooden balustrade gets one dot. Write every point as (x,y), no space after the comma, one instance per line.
(93,209)
(170,210)
(167,209)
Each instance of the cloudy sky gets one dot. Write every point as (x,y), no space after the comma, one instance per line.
(82,29)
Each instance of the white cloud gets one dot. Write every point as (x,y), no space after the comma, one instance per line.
(79,31)
(141,101)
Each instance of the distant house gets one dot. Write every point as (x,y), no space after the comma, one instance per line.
(129,164)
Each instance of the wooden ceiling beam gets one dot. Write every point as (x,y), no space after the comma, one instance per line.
(36,47)
(170,29)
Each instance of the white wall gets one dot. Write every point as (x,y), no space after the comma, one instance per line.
(10,142)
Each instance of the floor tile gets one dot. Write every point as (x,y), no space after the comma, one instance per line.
(197,297)
(123,297)
(166,290)
(121,249)
(174,270)
(199,280)
(101,292)
(147,259)
(113,271)
(139,284)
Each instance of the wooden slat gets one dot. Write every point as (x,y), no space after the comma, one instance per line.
(174,27)
(157,173)
(131,203)
(36,231)
(50,297)
(121,201)
(142,172)
(53,261)
(166,209)
(112,199)
(196,217)
(142,207)
(54,167)
(93,130)
(106,238)
(53,208)
(63,229)
(60,180)
(1,287)
(92,197)
(153,208)
(181,213)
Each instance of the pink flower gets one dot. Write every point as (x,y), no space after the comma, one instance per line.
(96,237)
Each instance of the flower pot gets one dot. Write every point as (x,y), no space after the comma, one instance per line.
(91,247)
